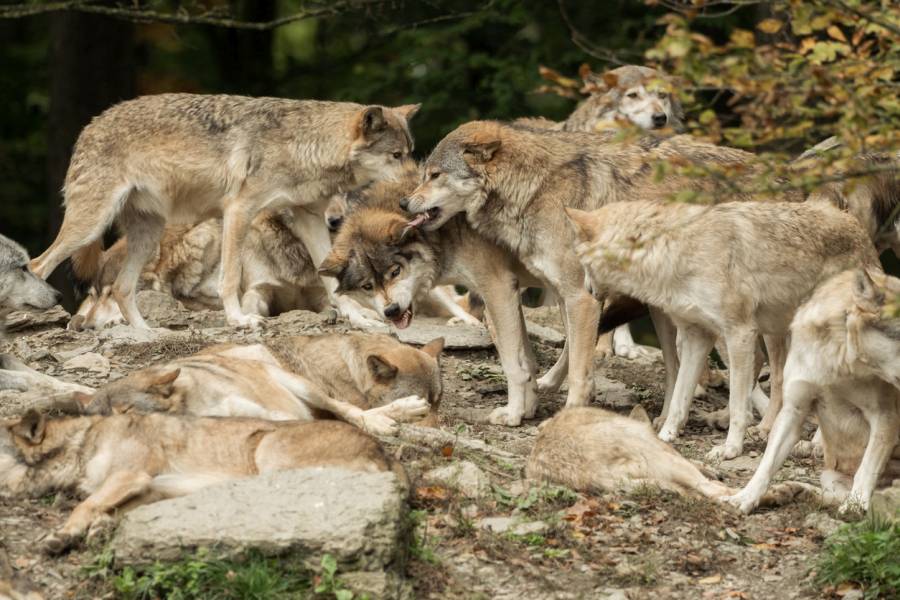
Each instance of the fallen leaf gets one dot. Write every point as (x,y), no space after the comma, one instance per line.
(433,492)
(710,580)
(447,450)
(770,25)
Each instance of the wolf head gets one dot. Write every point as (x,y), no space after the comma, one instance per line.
(638,95)
(873,336)
(453,179)
(382,143)
(147,390)
(19,287)
(379,194)
(397,370)
(382,263)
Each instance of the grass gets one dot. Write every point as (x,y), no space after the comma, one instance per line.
(866,554)
(255,577)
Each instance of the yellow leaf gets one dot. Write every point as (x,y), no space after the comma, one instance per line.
(710,580)
(742,38)
(835,33)
(770,25)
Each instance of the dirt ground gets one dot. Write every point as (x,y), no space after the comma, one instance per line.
(646,544)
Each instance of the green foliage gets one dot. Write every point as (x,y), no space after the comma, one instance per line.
(867,554)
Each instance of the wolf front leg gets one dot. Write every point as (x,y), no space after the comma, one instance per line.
(583,317)
(696,344)
(742,343)
(238,214)
(884,429)
(117,489)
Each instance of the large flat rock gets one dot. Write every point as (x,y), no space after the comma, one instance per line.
(456,337)
(355,517)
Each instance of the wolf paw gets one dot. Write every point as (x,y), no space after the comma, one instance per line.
(406,409)
(361,322)
(718,419)
(100,529)
(758,432)
(741,501)
(57,543)
(635,352)
(723,452)
(502,415)
(668,434)
(242,320)
(465,320)
(548,383)
(377,424)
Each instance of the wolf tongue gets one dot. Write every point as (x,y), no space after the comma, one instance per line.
(418,220)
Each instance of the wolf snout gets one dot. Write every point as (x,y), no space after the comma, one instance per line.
(392,311)
(334,223)
(659,119)
(404,204)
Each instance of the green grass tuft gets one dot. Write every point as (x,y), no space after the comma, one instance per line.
(867,554)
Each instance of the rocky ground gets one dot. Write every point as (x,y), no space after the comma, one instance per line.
(477,529)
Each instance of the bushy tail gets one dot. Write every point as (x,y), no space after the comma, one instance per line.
(86,261)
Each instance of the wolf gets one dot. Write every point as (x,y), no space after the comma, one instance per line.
(119,461)
(739,270)
(843,365)
(595,451)
(371,381)
(512,181)
(180,158)
(277,271)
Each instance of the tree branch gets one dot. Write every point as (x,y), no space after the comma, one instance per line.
(582,42)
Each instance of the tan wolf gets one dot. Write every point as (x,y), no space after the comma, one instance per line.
(369,380)
(512,182)
(277,271)
(735,270)
(843,365)
(180,158)
(119,461)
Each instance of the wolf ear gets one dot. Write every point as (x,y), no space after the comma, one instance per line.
(382,370)
(399,231)
(865,292)
(482,152)
(610,80)
(581,222)
(407,111)
(333,264)
(31,427)
(371,121)
(164,383)
(639,414)
(434,347)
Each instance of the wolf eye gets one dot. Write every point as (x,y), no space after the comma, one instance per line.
(397,155)
(434,175)
(632,95)
(367,287)
(395,271)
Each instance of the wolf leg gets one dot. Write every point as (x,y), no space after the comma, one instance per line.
(552,379)
(666,333)
(117,489)
(798,398)
(741,343)
(238,214)
(696,344)
(884,429)
(440,295)
(777,349)
(583,316)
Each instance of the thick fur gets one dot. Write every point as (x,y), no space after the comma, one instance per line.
(369,380)
(122,460)
(180,158)
(512,182)
(843,365)
(735,270)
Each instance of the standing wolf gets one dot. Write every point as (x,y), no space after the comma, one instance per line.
(185,157)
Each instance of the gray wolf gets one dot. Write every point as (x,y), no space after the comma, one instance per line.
(735,270)
(843,365)
(277,273)
(382,262)
(368,380)
(180,158)
(595,451)
(119,461)
(512,182)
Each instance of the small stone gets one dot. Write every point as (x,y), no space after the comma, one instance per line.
(496,524)
(464,476)
(90,361)
(886,502)
(127,334)
(547,335)
(63,353)
(822,523)
(530,528)
(612,594)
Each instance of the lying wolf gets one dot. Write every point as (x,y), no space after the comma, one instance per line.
(277,273)
(172,158)
(843,364)
(369,380)
(120,461)
(735,270)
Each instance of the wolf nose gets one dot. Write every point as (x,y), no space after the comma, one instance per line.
(659,119)
(404,204)
(392,310)
(335,222)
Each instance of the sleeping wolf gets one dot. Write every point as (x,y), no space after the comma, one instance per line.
(180,158)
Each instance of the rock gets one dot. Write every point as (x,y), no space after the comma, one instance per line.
(63,353)
(548,335)
(90,361)
(497,524)
(160,308)
(355,517)
(456,337)
(511,525)
(612,594)
(740,464)
(612,393)
(127,334)
(822,523)
(886,502)
(532,527)
(463,476)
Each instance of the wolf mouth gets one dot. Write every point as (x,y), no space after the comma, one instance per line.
(429,215)
(403,321)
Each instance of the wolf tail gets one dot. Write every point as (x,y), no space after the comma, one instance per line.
(86,261)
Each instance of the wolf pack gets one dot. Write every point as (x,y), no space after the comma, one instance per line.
(257,206)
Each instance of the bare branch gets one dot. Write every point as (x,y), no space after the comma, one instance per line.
(580,40)
(868,17)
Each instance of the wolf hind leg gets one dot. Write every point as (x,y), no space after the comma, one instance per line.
(741,343)
(583,315)
(696,344)
(144,231)
(554,378)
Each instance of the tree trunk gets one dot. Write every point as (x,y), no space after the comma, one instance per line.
(91,68)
